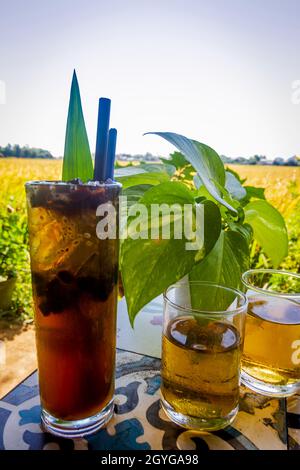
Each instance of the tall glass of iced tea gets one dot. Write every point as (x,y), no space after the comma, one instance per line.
(202,343)
(74,279)
(271,359)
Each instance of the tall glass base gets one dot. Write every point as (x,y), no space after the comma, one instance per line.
(80,427)
(197,423)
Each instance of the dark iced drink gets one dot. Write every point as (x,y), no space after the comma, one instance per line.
(74,279)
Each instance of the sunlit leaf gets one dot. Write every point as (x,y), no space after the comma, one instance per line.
(269,229)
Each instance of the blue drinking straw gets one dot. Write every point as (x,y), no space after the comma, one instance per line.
(111,153)
(102,139)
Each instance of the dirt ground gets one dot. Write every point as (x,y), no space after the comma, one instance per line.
(17,355)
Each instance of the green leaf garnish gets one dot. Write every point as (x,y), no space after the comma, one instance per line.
(149,266)
(77,161)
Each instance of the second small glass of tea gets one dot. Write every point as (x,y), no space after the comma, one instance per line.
(201,350)
(271,359)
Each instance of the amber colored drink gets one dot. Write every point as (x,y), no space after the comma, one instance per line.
(200,369)
(74,280)
(272,340)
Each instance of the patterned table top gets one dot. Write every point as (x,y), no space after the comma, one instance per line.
(139,422)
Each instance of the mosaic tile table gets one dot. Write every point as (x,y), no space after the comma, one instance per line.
(139,423)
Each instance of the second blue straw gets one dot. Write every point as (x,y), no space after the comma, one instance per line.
(105,143)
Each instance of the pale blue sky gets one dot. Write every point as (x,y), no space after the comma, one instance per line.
(220,71)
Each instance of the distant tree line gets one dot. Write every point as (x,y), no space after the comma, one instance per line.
(31,152)
(254,160)
(262,160)
(24,152)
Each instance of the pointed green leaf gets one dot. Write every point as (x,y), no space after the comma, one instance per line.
(214,164)
(77,161)
(269,229)
(204,159)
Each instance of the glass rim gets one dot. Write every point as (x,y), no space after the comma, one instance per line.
(69,184)
(273,293)
(235,311)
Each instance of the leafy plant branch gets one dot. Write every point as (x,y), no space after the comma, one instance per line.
(234,216)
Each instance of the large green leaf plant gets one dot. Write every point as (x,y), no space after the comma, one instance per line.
(233,216)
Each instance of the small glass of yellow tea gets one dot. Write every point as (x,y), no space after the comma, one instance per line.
(202,341)
(271,358)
